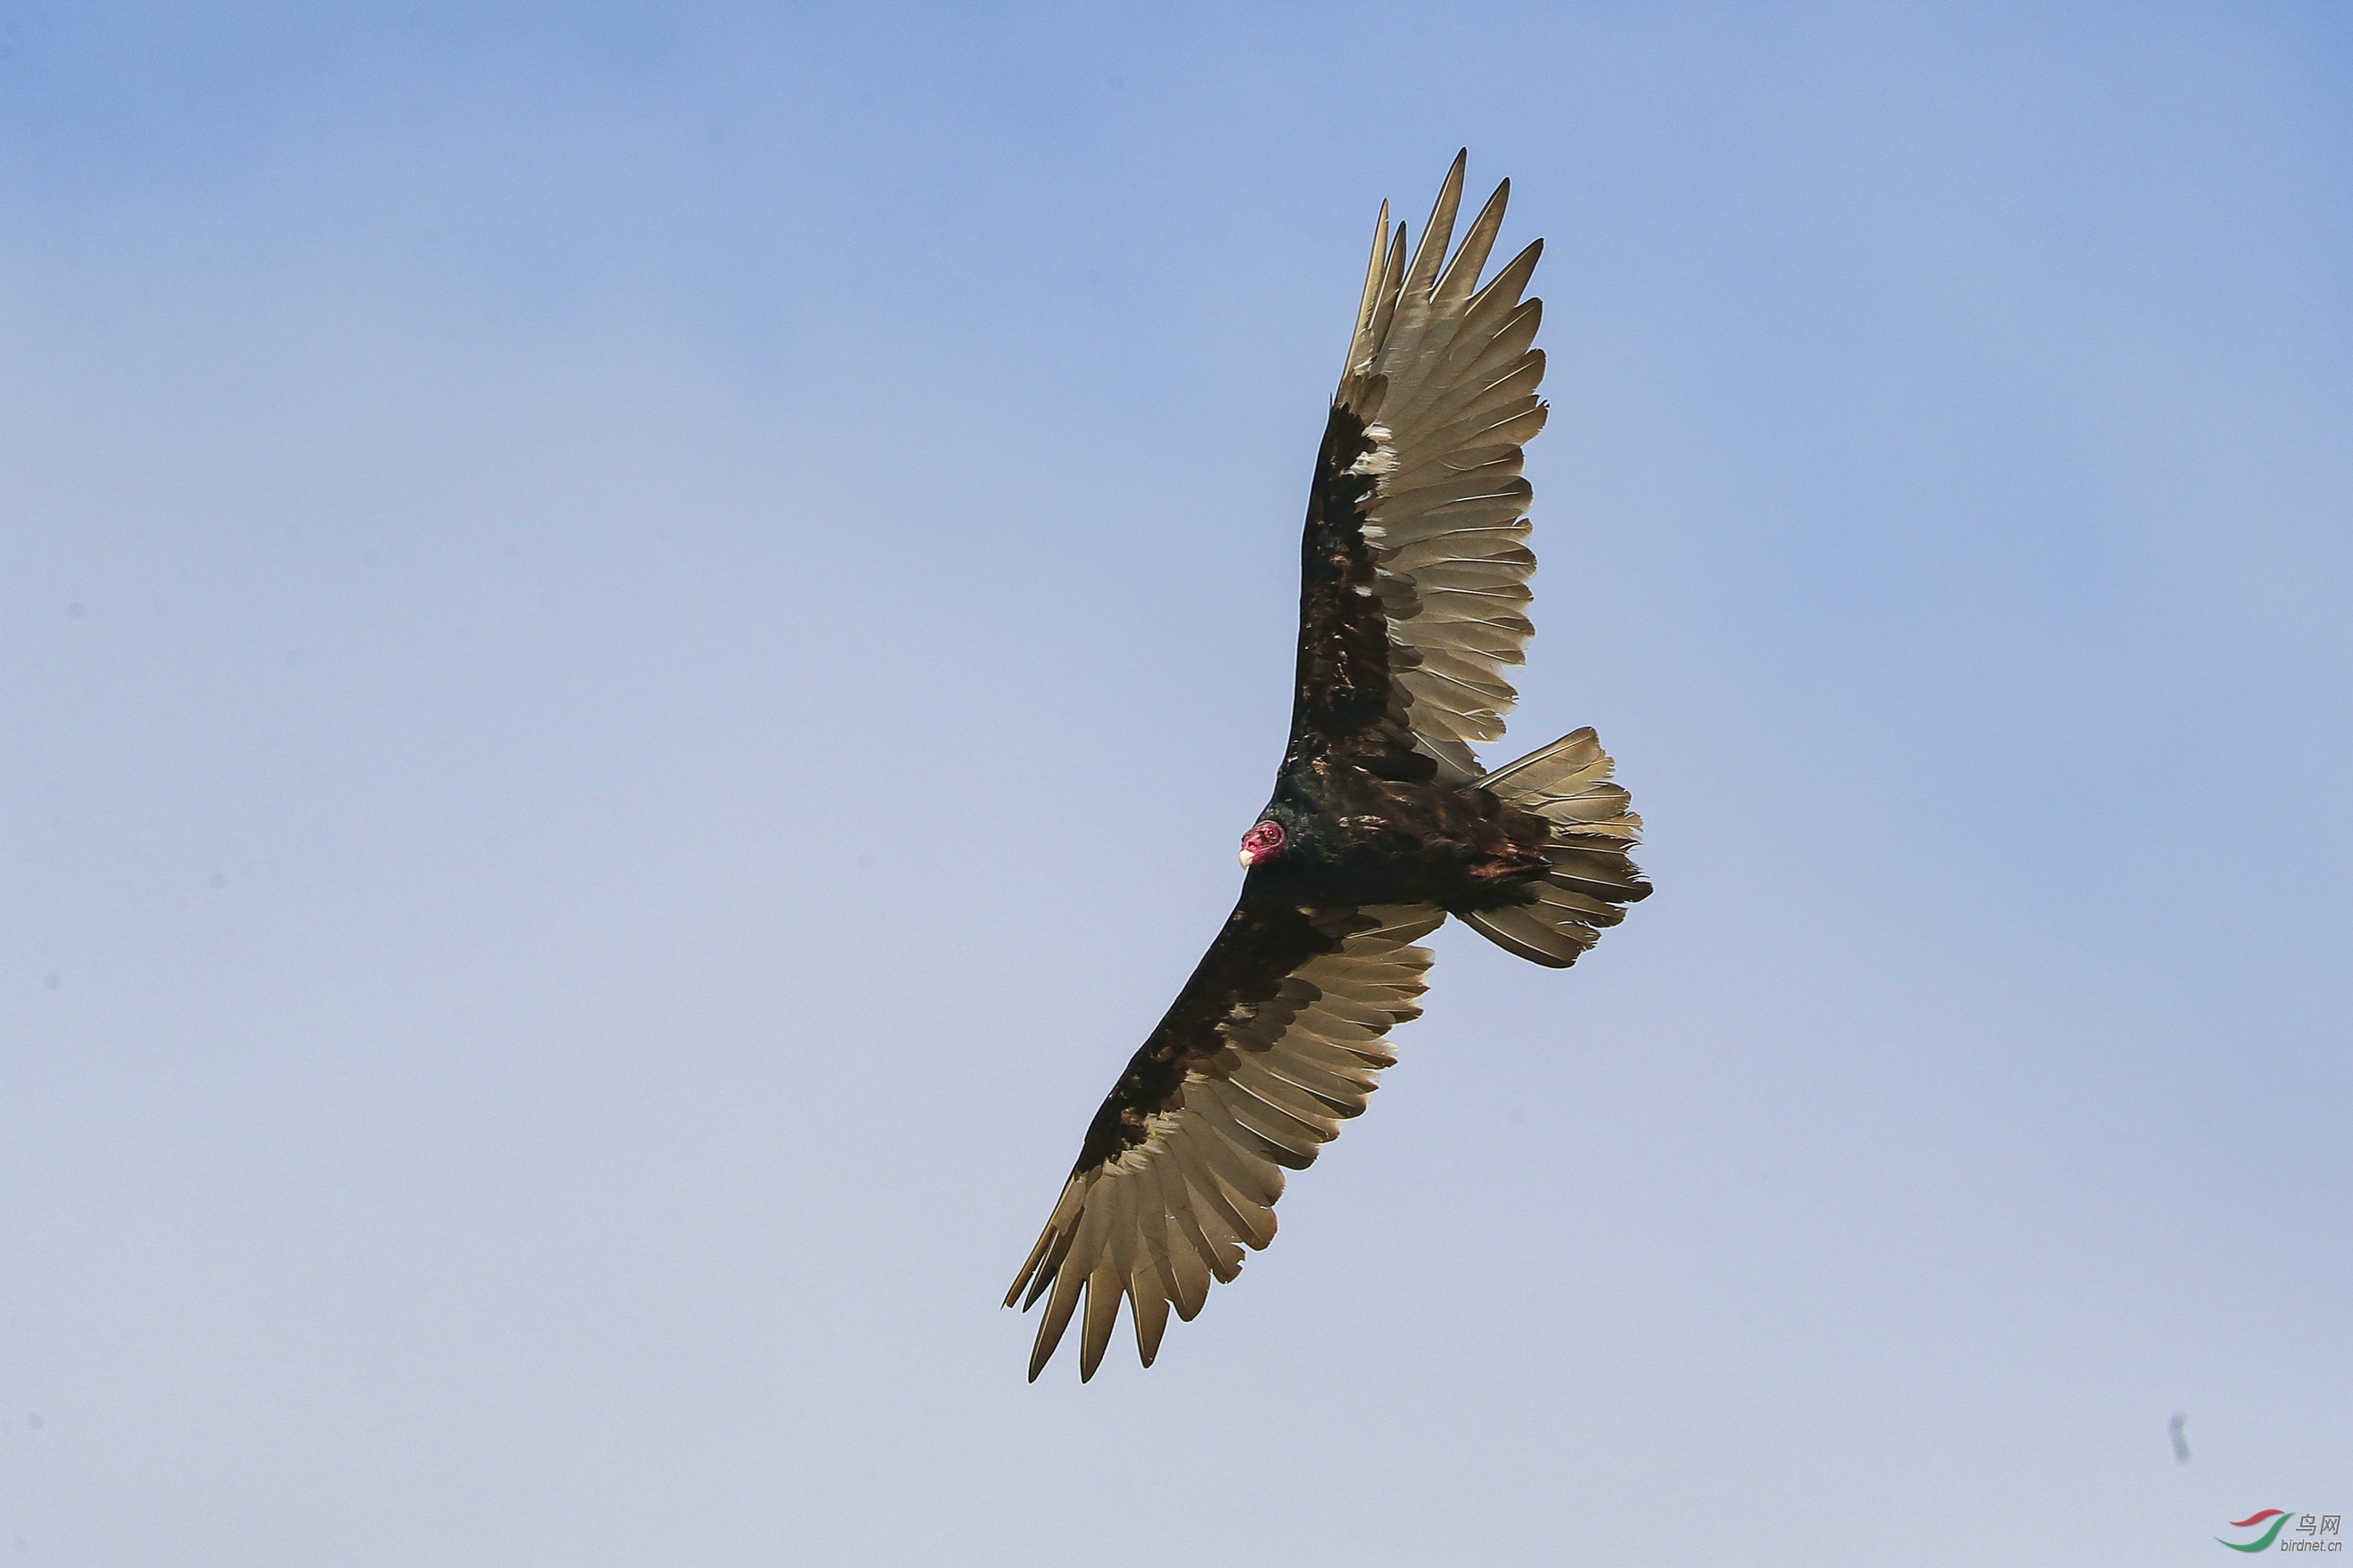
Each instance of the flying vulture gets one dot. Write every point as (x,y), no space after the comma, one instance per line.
(1413,597)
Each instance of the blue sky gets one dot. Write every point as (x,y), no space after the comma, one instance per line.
(635,637)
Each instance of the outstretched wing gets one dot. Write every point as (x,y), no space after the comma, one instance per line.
(1270,1045)
(1415,563)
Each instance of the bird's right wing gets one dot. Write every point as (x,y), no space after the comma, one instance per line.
(1270,1045)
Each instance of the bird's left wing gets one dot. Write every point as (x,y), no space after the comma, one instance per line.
(1413,595)
(1270,1045)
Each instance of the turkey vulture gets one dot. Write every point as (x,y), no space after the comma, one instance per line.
(1414,583)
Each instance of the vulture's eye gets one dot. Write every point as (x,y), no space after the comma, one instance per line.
(1263,842)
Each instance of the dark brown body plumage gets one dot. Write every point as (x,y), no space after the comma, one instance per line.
(1370,823)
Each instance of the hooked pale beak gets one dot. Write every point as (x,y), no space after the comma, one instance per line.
(1247,861)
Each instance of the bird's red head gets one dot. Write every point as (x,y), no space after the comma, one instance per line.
(1262,844)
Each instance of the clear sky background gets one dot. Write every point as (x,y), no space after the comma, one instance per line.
(633,641)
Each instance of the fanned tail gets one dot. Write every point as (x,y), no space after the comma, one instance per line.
(1567,784)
